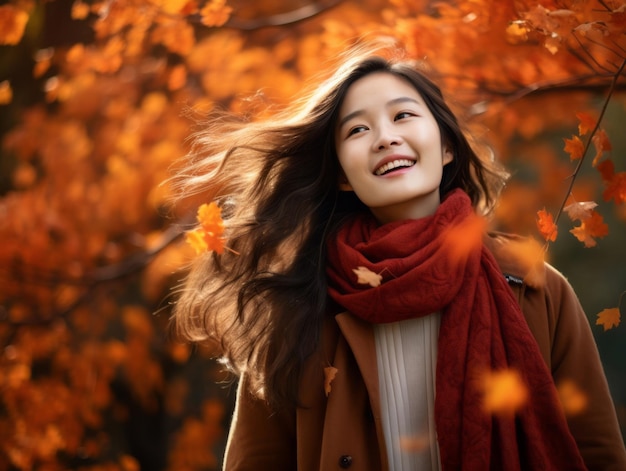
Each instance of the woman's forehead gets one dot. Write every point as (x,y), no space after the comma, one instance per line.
(378,89)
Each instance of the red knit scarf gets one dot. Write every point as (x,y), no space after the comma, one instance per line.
(482,329)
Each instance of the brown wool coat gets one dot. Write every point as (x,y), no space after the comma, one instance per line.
(344,431)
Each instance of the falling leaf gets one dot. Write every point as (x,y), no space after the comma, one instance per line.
(609,318)
(329,375)
(209,235)
(12,24)
(573,400)
(529,254)
(593,226)
(580,210)
(574,147)
(546,226)
(367,277)
(504,392)
(460,240)
(6,92)
(587,123)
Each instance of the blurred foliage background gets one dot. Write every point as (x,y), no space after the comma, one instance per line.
(95,106)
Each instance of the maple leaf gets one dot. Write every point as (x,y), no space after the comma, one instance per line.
(573,400)
(367,277)
(607,170)
(574,147)
(580,210)
(586,123)
(210,218)
(615,187)
(615,183)
(209,235)
(609,318)
(504,392)
(602,144)
(590,227)
(546,226)
(329,375)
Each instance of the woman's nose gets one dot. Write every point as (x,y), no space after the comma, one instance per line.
(386,137)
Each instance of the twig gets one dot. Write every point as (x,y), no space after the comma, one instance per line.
(589,141)
(282,19)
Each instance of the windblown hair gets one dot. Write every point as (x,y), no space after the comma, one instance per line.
(277,182)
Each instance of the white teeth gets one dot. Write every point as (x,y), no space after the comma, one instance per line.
(393,164)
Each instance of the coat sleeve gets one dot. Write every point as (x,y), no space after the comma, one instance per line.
(575,359)
(259,439)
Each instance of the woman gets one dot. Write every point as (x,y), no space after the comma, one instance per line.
(361,307)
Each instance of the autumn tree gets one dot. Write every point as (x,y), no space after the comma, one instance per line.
(97,100)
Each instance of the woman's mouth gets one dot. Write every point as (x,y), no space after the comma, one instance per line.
(393,165)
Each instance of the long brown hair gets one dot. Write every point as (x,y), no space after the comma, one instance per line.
(277,182)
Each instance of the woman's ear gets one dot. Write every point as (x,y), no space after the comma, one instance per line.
(448,156)
(344,185)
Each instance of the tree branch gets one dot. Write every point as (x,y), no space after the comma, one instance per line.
(584,83)
(590,140)
(282,19)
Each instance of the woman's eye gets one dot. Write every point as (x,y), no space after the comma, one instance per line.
(403,114)
(356,129)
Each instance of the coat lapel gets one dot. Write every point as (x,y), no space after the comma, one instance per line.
(360,337)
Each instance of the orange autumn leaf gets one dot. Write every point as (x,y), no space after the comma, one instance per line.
(527,253)
(504,392)
(573,399)
(607,170)
(177,78)
(215,13)
(590,228)
(615,188)
(465,237)
(602,144)
(12,24)
(609,318)
(615,183)
(367,277)
(80,10)
(586,123)
(580,210)
(209,235)
(574,147)
(546,225)
(6,92)
(329,374)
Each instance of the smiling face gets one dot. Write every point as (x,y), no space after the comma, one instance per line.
(390,148)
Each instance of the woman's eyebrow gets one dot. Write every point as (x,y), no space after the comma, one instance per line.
(395,101)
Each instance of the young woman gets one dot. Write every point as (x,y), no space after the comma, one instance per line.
(359,306)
